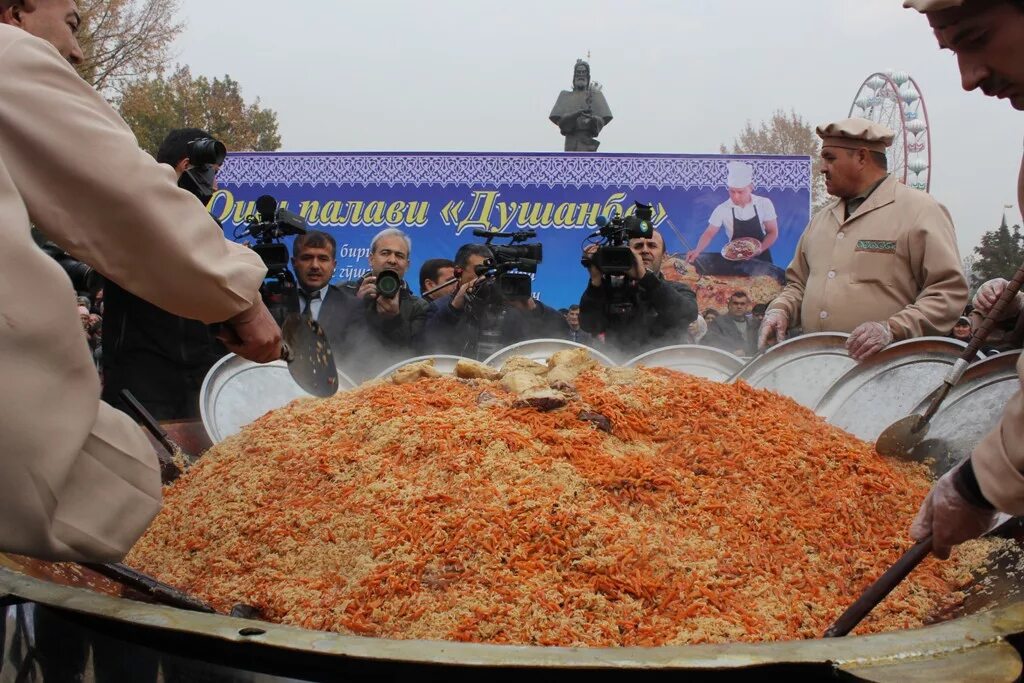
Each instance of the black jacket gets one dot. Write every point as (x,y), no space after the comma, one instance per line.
(450,330)
(160,357)
(724,334)
(659,316)
(373,342)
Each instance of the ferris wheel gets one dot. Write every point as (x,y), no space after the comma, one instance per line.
(893,99)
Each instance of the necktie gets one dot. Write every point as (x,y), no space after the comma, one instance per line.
(310,298)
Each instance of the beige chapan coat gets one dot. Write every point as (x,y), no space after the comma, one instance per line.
(999,458)
(895,259)
(78,479)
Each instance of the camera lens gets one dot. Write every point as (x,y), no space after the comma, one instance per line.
(388,284)
(206,151)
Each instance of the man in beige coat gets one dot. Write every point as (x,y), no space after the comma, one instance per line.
(987,37)
(880,262)
(78,479)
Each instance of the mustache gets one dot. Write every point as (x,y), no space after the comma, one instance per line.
(993,85)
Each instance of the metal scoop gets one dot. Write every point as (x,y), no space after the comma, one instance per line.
(899,439)
(309,357)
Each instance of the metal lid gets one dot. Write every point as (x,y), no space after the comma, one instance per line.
(236,391)
(887,386)
(693,359)
(802,368)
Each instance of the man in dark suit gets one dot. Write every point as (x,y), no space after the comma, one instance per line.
(735,332)
(314,260)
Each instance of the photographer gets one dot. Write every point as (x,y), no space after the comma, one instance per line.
(160,357)
(638,310)
(467,324)
(393,318)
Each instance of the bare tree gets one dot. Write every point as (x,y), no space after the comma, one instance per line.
(125,39)
(784,134)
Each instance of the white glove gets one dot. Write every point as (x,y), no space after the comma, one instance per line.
(867,339)
(990,292)
(775,324)
(949,517)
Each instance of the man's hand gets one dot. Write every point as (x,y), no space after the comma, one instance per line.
(990,292)
(638,270)
(253,334)
(367,288)
(867,339)
(949,518)
(595,273)
(692,255)
(773,327)
(459,300)
(388,308)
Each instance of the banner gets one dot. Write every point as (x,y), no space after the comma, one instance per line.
(438,199)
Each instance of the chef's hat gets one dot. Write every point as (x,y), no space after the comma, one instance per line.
(740,174)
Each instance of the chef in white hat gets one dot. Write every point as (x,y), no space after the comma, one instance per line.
(744,214)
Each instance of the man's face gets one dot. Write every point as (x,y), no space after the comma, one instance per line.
(573,318)
(962,331)
(314,267)
(651,250)
(741,196)
(988,42)
(469,272)
(390,253)
(444,273)
(580,78)
(55,21)
(738,306)
(843,171)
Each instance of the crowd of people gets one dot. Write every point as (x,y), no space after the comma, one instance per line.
(879,263)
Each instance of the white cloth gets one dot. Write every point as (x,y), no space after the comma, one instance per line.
(721,217)
(315,303)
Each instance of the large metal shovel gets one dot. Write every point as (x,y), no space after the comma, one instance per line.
(899,439)
(309,356)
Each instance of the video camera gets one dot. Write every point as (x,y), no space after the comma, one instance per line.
(268,227)
(613,256)
(508,272)
(203,155)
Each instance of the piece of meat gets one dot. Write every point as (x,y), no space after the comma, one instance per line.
(597,419)
(471,369)
(520,381)
(521,363)
(543,399)
(414,371)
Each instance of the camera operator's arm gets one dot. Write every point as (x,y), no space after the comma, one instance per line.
(593,318)
(674,302)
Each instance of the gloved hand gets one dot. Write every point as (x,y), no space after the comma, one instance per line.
(990,292)
(949,517)
(775,324)
(867,339)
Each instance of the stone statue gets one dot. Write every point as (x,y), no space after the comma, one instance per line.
(582,112)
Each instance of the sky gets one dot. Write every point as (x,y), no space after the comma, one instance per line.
(680,76)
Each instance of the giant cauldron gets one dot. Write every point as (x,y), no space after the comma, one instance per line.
(68,623)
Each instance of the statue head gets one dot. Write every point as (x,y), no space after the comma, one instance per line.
(581,75)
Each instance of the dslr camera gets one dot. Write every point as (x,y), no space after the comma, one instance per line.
(205,156)
(268,227)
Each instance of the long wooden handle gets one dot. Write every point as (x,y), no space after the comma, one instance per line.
(144,583)
(877,591)
(981,334)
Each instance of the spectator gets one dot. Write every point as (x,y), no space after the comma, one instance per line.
(433,273)
(697,330)
(735,332)
(314,261)
(709,315)
(962,330)
(757,313)
(466,324)
(388,329)
(575,333)
(646,311)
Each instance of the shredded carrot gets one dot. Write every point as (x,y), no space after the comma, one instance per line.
(709,513)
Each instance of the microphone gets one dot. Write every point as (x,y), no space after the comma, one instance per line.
(266,207)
